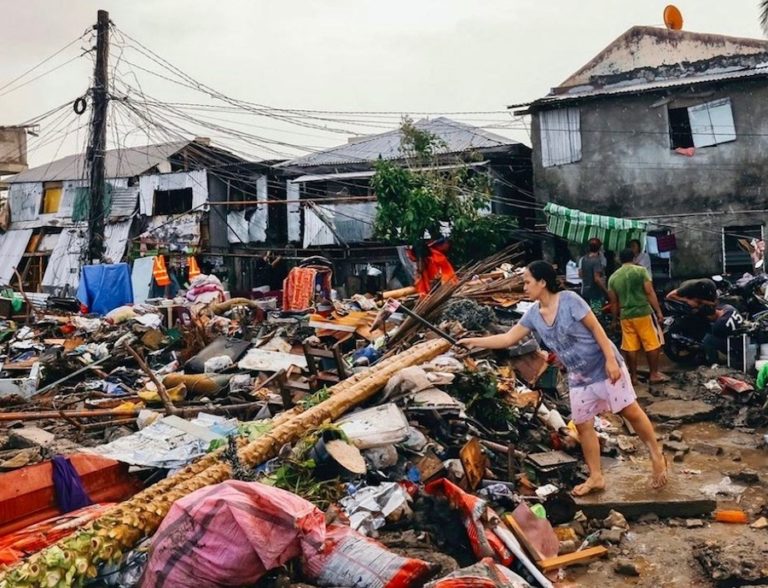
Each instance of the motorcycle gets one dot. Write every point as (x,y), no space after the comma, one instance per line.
(686,327)
(748,297)
(684,332)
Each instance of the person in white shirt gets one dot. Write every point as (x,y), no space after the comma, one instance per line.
(641,257)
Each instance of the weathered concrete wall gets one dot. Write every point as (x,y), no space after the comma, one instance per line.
(629,170)
(652,47)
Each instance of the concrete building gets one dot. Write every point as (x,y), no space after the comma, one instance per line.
(667,126)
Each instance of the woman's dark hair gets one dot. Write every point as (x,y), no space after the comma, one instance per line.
(541,270)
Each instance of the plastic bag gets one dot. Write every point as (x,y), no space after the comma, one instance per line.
(217,364)
(350,560)
(474,512)
(231,534)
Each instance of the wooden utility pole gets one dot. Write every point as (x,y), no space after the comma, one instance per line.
(98,147)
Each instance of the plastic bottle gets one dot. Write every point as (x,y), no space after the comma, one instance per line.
(738,517)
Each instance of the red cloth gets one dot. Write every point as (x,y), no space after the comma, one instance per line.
(666,243)
(434,266)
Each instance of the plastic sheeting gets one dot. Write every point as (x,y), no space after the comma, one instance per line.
(105,287)
(294,211)
(25,201)
(197,180)
(141,278)
(12,247)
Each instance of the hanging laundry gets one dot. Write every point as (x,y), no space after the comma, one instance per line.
(667,243)
(160,272)
(652,245)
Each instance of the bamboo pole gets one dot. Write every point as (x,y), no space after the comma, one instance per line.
(124,525)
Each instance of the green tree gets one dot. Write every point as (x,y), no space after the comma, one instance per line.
(418,195)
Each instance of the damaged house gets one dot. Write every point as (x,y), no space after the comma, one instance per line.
(666,126)
(158,201)
(331,204)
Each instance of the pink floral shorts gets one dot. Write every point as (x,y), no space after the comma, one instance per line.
(589,401)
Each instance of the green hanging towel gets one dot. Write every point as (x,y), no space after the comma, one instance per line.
(762,377)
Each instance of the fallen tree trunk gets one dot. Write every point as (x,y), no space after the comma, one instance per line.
(73,559)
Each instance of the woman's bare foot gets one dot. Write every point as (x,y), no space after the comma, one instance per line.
(593,484)
(660,466)
(658,378)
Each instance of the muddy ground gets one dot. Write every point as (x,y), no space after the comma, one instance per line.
(665,551)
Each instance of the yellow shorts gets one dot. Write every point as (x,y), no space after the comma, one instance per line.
(639,333)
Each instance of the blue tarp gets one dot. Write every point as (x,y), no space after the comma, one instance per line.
(105,287)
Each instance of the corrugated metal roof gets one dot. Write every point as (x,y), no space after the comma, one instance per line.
(369,174)
(630,88)
(458,137)
(119,163)
(124,202)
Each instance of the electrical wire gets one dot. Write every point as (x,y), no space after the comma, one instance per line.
(43,62)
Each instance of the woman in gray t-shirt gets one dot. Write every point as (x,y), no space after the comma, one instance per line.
(597,377)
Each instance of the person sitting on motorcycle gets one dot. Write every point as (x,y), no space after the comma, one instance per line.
(726,322)
(696,293)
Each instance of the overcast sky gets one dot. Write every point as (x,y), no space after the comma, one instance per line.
(337,55)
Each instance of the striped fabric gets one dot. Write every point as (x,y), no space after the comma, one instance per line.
(579,227)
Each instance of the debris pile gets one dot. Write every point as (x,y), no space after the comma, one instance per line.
(351,431)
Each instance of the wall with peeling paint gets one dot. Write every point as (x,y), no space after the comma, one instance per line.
(628,168)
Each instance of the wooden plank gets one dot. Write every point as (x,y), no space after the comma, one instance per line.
(572,559)
(521,537)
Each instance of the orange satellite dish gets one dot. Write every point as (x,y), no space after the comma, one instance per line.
(673,18)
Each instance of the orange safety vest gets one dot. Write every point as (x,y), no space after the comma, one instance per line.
(194,269)
(159,272)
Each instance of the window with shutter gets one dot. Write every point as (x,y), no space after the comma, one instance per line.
(702,125)
(712,123)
